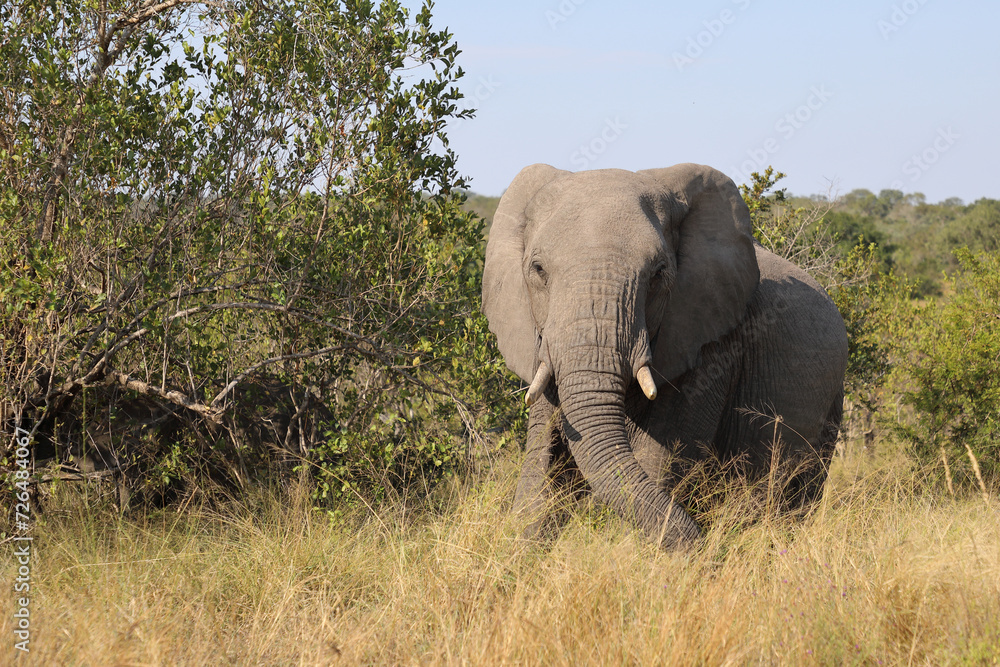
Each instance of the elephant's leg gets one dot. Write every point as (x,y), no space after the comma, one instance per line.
(786,408)
(811,466)
(543,470)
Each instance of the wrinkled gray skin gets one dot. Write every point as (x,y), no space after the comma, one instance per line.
(599,273)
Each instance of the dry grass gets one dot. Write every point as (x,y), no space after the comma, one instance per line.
(881,573)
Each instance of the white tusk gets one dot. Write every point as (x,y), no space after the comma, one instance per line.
(645,378)
(542,378)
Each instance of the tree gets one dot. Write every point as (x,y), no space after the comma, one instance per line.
(236,230)
(851,230)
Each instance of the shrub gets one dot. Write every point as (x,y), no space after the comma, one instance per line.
(237,244)
(951,363)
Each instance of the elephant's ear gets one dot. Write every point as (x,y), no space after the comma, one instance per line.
(505,296)
(716,263)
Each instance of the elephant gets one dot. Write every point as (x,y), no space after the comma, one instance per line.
(652,327)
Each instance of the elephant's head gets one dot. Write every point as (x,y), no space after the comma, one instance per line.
(599,279)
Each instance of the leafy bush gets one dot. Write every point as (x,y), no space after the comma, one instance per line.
(953,353)
(238,245)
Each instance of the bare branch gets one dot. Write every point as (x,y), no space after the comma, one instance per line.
(175,397)
(150,10)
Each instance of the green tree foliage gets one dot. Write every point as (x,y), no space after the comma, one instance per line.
(870,205)
(977,227)
(918,238)
(851,230)
(951,362)
(761,197)
(234,243)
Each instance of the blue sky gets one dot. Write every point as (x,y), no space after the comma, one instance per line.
(873,94)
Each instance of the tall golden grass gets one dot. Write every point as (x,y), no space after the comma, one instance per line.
(886,570)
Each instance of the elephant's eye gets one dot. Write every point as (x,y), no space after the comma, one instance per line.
(537,269)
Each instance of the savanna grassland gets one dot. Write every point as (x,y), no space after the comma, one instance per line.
(886,570)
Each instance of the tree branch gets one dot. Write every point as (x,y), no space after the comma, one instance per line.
(175,397)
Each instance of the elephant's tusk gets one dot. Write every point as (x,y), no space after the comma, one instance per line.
(542,378)
(645,378)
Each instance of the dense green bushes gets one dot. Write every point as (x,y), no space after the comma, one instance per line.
(234,247)
(952,368)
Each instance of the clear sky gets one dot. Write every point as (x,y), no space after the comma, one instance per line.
(875,94)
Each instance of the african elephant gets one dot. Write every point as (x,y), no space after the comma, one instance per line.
(605,285)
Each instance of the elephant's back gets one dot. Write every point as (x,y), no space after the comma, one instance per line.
(775,268)
(799,306)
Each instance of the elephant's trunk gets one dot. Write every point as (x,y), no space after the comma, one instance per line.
(593,403)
